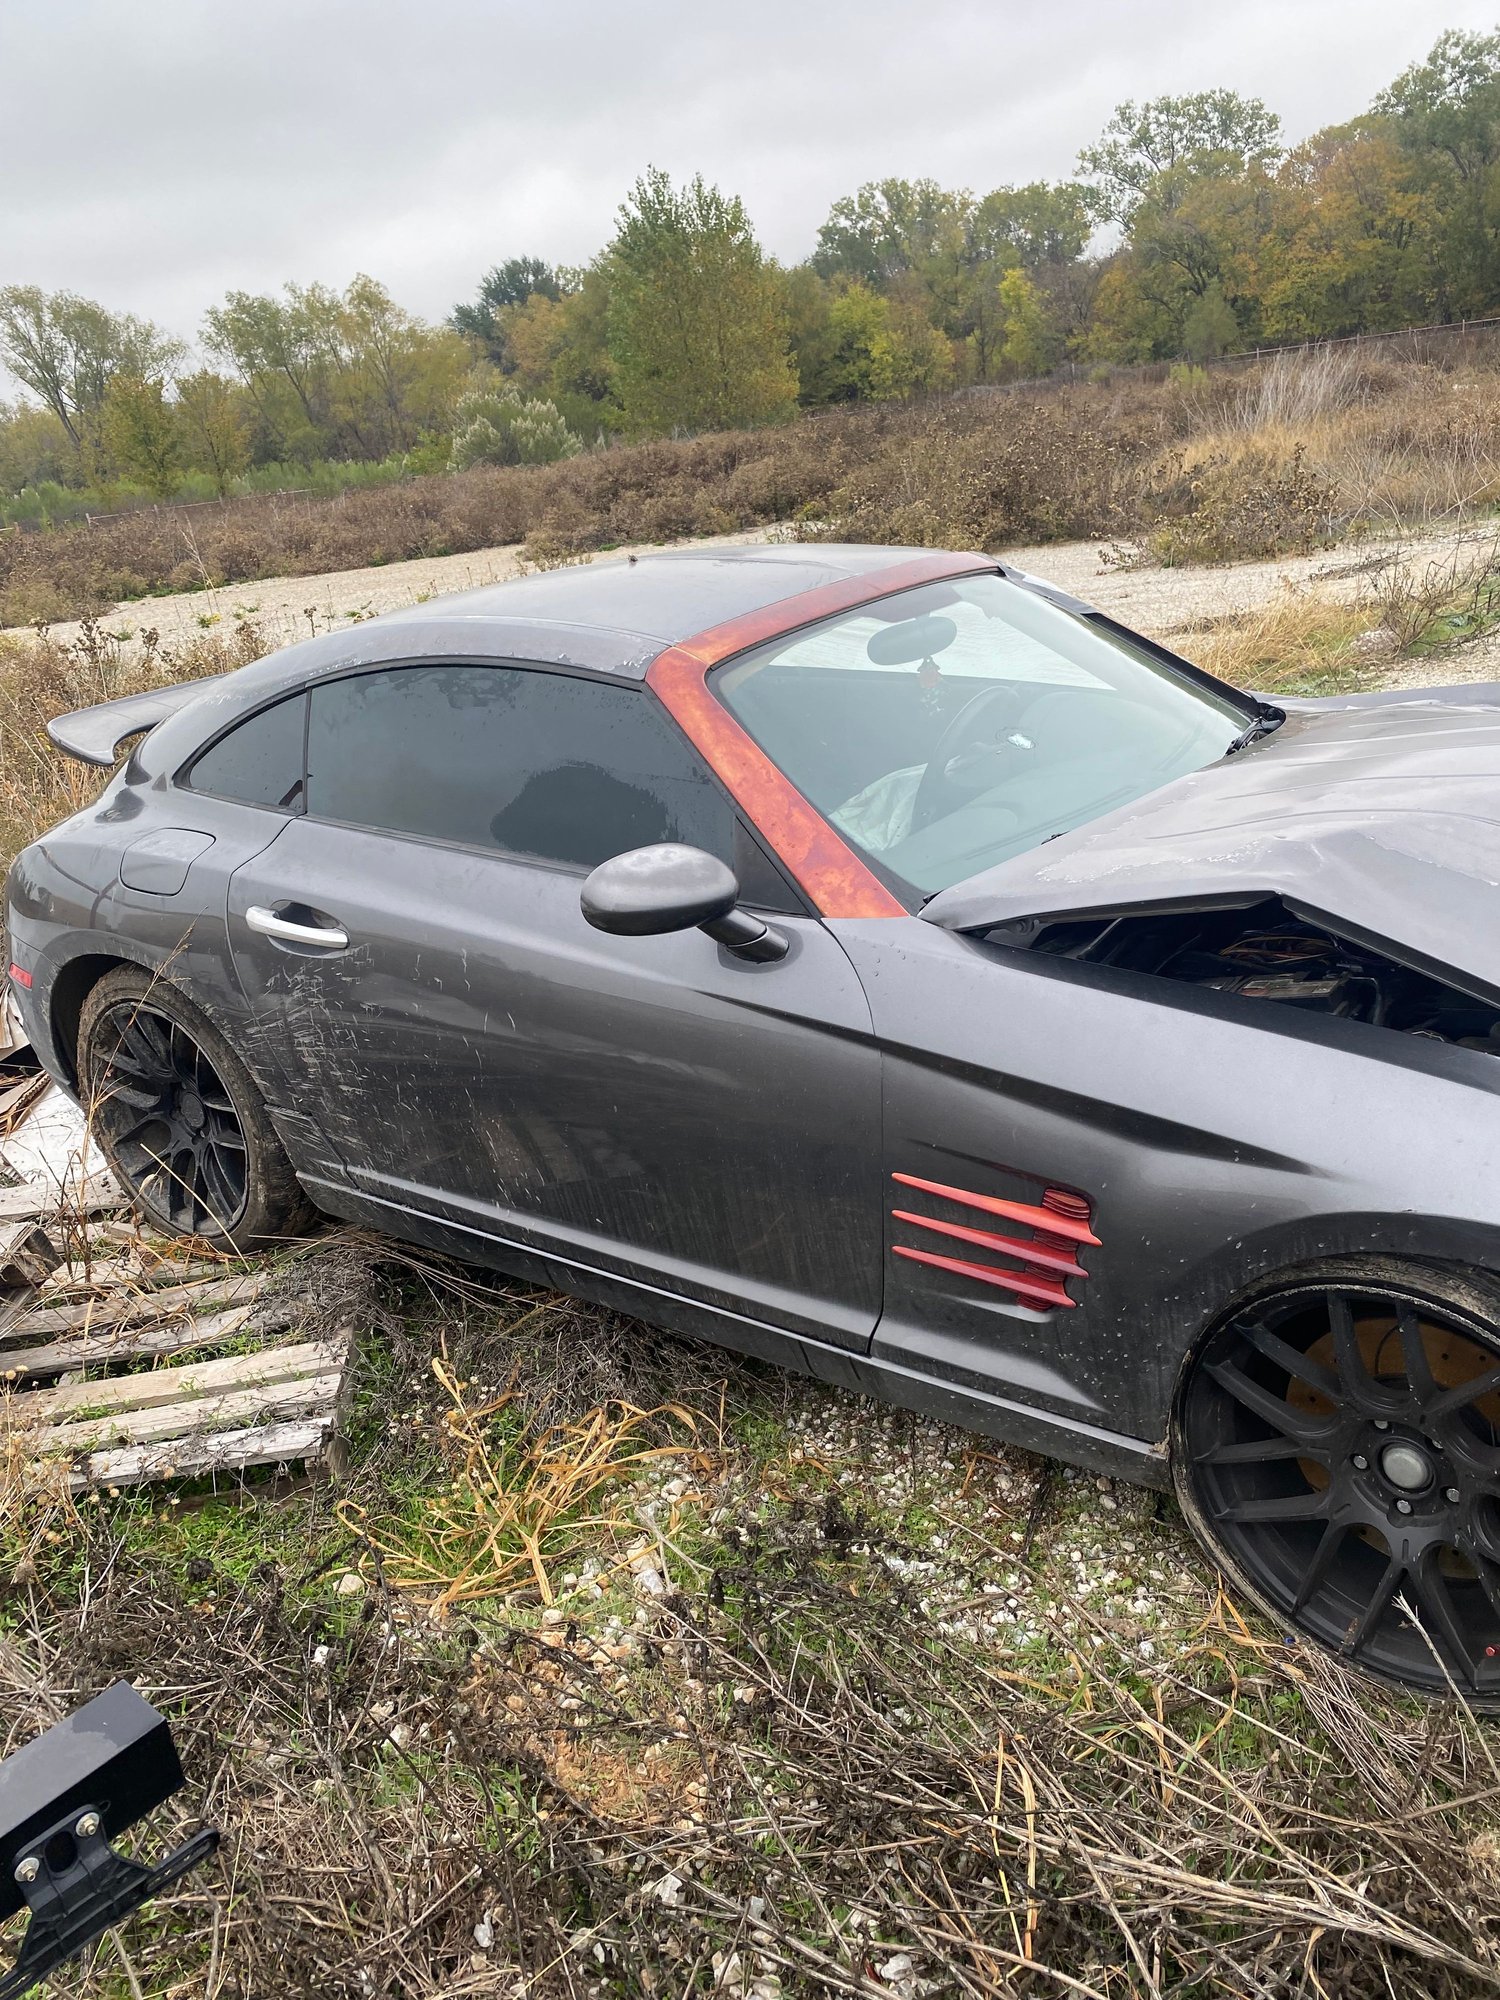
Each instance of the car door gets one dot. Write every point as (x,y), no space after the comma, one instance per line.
(471,1049)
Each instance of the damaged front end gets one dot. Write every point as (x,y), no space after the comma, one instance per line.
(1347,866)
(1268,953)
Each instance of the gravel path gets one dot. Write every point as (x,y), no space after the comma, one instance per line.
(1154,600)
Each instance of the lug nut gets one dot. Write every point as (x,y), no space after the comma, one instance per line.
(1403,1506)
(1382,1424)
(88,1826)
(1452,1495)
(1361,1463)
(28,1869)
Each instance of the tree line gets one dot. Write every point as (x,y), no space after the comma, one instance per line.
(1189,231)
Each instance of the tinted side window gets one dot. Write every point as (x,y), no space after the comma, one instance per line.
(260,763)
(542,765)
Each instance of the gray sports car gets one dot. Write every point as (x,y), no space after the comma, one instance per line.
(876,961)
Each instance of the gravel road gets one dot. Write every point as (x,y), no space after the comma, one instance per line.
(1152,599)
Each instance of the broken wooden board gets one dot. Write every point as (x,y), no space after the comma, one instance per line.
(19,1098)
(146,1343)
(27,1255)
(278,1402)
(44,1200)
(135,1307)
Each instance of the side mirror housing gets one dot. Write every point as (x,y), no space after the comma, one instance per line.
(651,891)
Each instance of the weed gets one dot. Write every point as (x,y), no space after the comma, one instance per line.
(1449,601)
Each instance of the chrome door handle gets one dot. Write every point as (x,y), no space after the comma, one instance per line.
(270,925)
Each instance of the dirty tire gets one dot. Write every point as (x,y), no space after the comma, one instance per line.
(178,1118)
(1337,1447)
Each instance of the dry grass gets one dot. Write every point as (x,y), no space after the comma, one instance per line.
(521,1503)
(40,679)
(1300,643)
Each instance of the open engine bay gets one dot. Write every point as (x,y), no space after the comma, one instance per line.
(1267,953)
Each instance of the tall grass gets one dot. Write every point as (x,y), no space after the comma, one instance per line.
(40,679)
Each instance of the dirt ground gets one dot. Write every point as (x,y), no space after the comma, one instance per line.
(1154,599)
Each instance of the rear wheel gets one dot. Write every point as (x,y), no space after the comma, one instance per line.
(1338,1447)
(179,1119)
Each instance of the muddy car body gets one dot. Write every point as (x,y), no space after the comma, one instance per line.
(1082,1051)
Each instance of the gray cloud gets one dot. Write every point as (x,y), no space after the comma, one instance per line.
(159,152)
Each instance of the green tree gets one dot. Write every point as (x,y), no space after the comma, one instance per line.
(67,350)
(559,348)
(34,448)
(1210,327)
(141,434)
(1042,224)
(349,374)
(216,438)
(697,325)
(879,348)
(1026,347)
(1150,152)
(886,228)
(481,320)
(1445,113)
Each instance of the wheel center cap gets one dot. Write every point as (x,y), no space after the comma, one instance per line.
(190,1110)
(1406,1466)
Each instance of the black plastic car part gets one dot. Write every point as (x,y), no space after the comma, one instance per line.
(63,1797)
(667,887)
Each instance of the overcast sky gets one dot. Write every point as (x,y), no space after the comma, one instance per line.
(158,153)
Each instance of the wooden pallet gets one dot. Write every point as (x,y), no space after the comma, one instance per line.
(279,1403)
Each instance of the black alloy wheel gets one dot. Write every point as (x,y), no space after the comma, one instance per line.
(1339,1446)
(167,1119)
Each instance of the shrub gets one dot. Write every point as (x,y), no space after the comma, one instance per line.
(503,427)
(1248,506)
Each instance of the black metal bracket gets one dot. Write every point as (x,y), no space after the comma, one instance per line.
(77,1887)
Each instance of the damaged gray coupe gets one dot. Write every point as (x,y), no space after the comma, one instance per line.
(880,963)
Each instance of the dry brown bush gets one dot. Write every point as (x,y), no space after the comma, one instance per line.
(40,679)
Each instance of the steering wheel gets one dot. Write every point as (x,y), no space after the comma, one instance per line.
(932,792)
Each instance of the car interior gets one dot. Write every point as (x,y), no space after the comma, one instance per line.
(956,725)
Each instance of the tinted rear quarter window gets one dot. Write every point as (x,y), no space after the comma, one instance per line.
(549,767)
(260,762)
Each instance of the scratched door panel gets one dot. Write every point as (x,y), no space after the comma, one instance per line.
(653,1105)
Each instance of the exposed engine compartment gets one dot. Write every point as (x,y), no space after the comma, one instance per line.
(1267,953)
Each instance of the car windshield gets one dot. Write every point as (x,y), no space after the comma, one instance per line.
(947,728)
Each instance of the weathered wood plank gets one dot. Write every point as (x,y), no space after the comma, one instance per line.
(19,1099)
(86,1350)
(27,1254)
(136,1308)
(108,1274)
(232,1410)
(176,1386)
(37,1201)
(218,1451)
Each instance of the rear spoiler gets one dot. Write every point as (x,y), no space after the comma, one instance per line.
(97,735)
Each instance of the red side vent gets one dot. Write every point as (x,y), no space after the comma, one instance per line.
(1048,1257)
(1074,1206)
(1014,1211)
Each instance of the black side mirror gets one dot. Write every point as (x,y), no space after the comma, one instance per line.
(653,890)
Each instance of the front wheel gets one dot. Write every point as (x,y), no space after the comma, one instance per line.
(178,1118)
(1338,1448)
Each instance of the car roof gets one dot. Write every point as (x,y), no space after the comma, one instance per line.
(614,617)
(640,603)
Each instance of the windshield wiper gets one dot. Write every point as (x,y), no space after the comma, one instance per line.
(1264,723)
